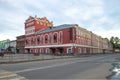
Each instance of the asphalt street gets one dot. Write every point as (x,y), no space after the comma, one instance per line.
(91,67)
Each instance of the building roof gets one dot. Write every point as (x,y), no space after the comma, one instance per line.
(55,28)
(3,42)
(21,36)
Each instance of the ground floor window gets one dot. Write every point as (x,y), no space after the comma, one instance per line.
(79,50)
(36,50)
(90,50)
(69,50)
(85,50)
(41,50)
(27,51)
(31,51)
(47,50)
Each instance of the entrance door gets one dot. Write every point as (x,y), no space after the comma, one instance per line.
(69,50)
(27,51)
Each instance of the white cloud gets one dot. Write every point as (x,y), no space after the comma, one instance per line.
(7,36)
(93,2)
(72,12)
(86,11)
(90,14)
(108,33)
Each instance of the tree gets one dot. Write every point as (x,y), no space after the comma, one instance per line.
(115,41)
(107,39)
(112,41)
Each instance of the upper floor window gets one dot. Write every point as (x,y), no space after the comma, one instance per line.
(55,36)
(46,39)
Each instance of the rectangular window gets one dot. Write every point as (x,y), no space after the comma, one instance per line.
(69,50)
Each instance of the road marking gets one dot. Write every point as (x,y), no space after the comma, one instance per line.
(6,75)
(56,65)
(11,75)
(46,67)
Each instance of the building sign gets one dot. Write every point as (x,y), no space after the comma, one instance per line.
(30,23)
(30,30)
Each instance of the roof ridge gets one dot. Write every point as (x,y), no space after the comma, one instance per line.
(55,28)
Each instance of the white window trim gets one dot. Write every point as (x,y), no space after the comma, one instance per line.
(47,50)
(48,38)
(57,37)
(68,50)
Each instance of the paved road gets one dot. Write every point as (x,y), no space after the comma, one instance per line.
(92,67)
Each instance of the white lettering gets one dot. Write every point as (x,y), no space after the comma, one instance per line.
(31,23)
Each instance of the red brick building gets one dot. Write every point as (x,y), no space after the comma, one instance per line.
(42,37)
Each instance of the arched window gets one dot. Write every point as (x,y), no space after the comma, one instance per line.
(38,40)
(55,37)
(46,38)
(26,42)
(32,41)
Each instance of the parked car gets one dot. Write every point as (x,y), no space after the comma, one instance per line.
(1,54)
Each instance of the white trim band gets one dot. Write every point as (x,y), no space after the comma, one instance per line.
(61,45)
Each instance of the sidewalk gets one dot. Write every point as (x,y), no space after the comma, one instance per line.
(15,58)
(6,75)
(98,73)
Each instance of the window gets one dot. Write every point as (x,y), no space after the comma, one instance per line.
(55,37)
(36,50)
(46,39)
(38,40)
(69,50)
(85,50)
(47,50)
(79,50)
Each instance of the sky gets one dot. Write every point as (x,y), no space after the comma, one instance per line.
(102,17)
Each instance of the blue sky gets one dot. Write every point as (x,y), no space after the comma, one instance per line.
(102,17)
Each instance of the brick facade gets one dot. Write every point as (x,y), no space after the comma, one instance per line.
(42,37)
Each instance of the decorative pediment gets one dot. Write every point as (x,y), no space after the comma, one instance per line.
(44,20)
(30,19)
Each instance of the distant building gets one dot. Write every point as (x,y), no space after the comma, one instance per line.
(42,37)
(20,46)
(11,46)
(2,45)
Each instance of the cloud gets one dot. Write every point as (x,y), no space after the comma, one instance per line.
(7,36)
(108,34)
(86,10)
(99,16)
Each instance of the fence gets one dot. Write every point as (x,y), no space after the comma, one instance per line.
(29,57)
